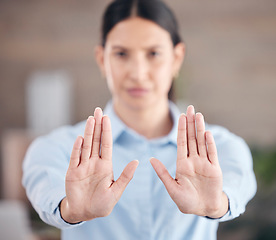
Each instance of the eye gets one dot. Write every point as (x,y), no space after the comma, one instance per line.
(121,54)
(154,54)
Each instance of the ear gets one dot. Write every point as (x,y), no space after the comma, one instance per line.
(179,54)
(99,56)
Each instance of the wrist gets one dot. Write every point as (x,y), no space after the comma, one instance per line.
(66,214)
(222,209)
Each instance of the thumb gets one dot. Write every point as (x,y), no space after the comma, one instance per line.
(163,174)
(125,177)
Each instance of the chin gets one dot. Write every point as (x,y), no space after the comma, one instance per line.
(141,104)
(137,105)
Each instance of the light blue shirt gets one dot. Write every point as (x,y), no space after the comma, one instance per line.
(145,210)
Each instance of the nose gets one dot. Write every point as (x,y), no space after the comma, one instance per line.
(138,69)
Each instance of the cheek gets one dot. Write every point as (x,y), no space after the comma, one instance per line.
(114,75)
(163,76)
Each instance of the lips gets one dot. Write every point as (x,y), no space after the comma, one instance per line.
(137,92)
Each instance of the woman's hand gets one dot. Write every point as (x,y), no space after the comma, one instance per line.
(91,191)
(197,187)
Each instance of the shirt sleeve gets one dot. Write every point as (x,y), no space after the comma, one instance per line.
(44,170)
(239,182)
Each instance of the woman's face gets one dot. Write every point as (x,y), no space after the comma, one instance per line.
(139,62)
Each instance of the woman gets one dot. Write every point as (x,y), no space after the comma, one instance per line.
(141,52)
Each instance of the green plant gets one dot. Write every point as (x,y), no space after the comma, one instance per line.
(265,165)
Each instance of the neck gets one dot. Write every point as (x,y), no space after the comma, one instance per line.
(151,121)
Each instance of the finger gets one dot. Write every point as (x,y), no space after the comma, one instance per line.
(211,148)
(97,132)
(181,141)
(75,155)
(106,147)
(200,127)
(192,146)
(125,177)
(163,174)
(88,136)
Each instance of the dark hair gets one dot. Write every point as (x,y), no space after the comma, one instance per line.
(154,10)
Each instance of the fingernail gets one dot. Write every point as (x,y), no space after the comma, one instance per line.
(98,109)
(199,117)
(90,118)
(193,109)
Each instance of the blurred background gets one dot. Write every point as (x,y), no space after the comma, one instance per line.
(48,78)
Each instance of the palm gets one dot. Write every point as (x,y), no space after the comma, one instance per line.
(197,187)
(90,187)
(199,183)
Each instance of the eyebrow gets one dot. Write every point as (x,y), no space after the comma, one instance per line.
(117,46)
(147,48)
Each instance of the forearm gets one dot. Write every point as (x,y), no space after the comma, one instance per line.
(239,183)
(44,183)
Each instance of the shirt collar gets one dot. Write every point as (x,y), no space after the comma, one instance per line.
(118,126)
